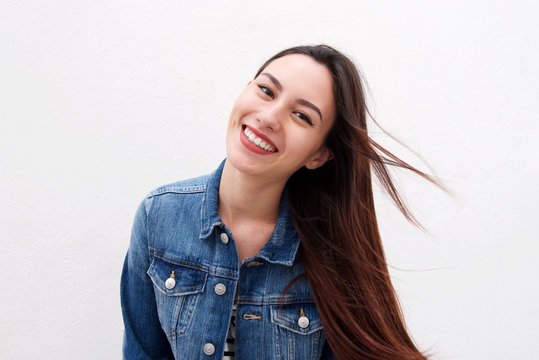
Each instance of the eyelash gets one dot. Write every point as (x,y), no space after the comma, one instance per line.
(266,90)
(304,117)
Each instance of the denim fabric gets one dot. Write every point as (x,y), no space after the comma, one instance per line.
(177,228)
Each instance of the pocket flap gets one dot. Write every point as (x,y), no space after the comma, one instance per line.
(187,280)
(289,316)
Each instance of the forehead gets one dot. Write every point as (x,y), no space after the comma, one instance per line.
(302,77)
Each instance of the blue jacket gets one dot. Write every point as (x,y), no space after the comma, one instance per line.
(181,274)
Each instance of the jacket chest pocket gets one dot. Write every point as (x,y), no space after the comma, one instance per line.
(177,291)
(297,330)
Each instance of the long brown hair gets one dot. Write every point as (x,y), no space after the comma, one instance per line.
(333,210)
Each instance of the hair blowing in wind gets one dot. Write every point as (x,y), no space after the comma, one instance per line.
(333,210)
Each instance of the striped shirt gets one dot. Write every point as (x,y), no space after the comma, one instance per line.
(231,337)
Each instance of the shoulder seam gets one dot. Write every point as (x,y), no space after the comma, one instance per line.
(187,186)
(178,190)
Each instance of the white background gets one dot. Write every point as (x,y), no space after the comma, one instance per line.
(101,101)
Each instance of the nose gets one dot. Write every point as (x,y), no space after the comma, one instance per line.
(270,117)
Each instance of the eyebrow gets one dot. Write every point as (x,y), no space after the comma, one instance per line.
(299,101)
(274,80)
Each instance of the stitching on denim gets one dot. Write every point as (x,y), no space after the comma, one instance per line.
(177,291)
(194,189)
(183,288)
(189,312)
(194,265)
(280,319)
(178,261)
(312,328)
(275,300)
(203,214)
(203,211)
(289,324)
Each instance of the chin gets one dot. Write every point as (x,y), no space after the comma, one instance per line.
(241,162)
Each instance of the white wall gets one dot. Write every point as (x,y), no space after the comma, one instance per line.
(100,101)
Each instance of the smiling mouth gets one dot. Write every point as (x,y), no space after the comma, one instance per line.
(255,140)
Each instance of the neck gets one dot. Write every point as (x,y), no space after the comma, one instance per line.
(244,197)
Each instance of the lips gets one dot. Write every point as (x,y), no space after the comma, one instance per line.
(256,141)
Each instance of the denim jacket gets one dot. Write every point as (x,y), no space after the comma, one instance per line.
(181,274)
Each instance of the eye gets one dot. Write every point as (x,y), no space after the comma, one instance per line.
(303,117)
(266,90)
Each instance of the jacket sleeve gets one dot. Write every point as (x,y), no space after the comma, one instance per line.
(144,338)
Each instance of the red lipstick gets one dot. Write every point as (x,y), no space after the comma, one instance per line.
(253,147)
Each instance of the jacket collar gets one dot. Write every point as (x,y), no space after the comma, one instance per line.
(283,245)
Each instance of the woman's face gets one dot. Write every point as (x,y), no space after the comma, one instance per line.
(279,122)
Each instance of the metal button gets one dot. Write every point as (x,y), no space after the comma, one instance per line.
(220,289)
(209,349)
(303,322)
(170,282)
(224,238)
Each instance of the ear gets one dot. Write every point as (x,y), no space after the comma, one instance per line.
(324,155)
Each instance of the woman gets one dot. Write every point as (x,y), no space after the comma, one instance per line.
(282,238)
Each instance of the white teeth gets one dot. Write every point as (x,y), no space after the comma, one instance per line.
(257,141)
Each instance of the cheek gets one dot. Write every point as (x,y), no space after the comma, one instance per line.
(246,104)
(306,144)
(243,100)
(237,113)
